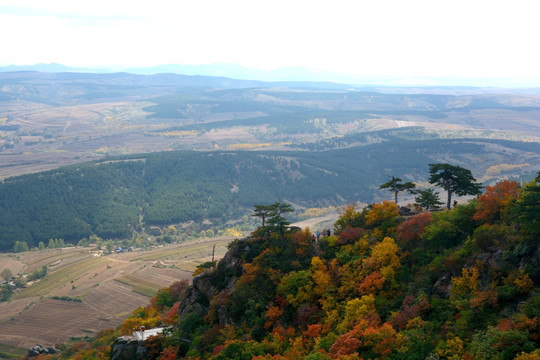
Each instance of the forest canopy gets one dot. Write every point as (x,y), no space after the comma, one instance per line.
(117,197)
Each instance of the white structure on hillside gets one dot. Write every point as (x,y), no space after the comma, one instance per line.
(144,334)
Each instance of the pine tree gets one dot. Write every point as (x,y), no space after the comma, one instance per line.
(395,185)
(453,179)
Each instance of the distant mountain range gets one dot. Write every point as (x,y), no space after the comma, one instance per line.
(235,71)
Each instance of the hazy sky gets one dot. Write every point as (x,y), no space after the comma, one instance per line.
(472,38)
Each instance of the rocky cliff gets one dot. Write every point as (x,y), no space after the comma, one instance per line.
(213,281)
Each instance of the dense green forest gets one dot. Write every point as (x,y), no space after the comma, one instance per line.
(116,197)
(454,284)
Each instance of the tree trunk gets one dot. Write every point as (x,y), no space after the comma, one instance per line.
(449,199)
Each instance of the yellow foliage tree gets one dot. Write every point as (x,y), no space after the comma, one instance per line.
(355,310)
(466,284)
(321,277)
(451,349)
(386,254)
(523,282)
(349,275)
(535,355)
(383,215)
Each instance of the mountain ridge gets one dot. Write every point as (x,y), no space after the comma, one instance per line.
(286,74)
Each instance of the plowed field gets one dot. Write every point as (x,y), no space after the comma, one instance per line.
(103,290)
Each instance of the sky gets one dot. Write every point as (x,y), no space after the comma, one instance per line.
(388,38)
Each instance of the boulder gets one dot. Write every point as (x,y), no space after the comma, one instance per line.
(442,286)
(41,350)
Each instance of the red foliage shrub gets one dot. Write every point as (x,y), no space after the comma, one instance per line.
(410,231)
(178,288)
(313,331)
(154,345)
(305,314)
(169,353)
(171,316)
(350,235)
(409,311)
(346,344)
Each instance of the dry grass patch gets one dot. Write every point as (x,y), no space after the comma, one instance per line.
(12,263)
(12,352)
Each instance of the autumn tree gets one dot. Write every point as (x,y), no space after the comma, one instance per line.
(495,200)
(383,216)
(395,185)
(453,179)
(349,219)
(409,232)
(386,255)
(428,199)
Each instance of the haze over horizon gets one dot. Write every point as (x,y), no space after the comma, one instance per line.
(388,39)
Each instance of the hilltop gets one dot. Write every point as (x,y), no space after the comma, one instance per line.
(456,284)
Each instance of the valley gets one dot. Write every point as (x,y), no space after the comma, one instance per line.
(52,120)
(126,158)
(84,293)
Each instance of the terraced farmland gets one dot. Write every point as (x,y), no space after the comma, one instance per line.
(105,289)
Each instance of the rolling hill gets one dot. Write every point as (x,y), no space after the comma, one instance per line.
(119,197)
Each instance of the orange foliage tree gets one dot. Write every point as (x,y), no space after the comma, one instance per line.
(493,204)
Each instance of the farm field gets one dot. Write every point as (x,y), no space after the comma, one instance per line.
(104,289)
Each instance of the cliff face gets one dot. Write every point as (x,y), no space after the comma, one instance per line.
(210,283)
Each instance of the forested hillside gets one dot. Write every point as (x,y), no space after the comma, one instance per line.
(119,197)
(456,284)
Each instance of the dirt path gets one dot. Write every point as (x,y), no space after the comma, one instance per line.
(323,222)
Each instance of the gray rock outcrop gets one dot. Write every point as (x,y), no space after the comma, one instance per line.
(212,282)
(128,348)
(41,350)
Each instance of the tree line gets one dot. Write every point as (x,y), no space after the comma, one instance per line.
(123,196)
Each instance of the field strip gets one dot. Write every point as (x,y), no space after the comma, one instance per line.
(185,250)
(61,277)
(115,299)
(56,255)
(13,308)
(140,286)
